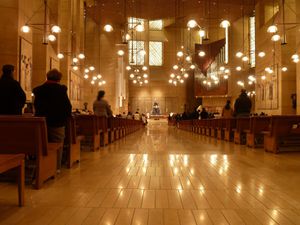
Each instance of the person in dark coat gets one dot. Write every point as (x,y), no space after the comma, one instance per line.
(243,104)
(12,96)
(51,101)
(204,114)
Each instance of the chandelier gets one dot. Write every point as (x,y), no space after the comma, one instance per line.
(49,30)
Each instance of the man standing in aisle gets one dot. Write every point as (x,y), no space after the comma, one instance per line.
(51,101)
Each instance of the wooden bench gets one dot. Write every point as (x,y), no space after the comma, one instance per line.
(103,131)
(242,124)
(220,128)
(28,135)
(72,143)
(213,127)
(283,135)
(230,124)
(11,161)
(87,126)
(254,135)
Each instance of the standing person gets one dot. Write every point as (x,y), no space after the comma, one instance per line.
(101,106)
(227,111)
(51,101)
(12,96)
(137,116)
(243,104)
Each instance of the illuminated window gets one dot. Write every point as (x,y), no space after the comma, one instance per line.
(155,24)
(134,22)
(155,53)
(252,41)
(136,52)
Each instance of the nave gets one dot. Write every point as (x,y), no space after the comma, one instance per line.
(162,175)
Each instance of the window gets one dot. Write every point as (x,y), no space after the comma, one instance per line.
(136,52)
(155,53)
(155,24)
(252,40)
(133,22)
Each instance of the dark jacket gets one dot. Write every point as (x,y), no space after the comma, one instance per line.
(12,96)
(204,115)
(242,105)
(51,101)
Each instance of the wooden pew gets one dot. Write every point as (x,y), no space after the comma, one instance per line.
(230,124)
(28,135)
(283,135)
(207,125)
(11,161)
(87,126)
(103,130)
(111,130)
(258,124)
(72,142)
(220,128)
(242,124)
(213,127)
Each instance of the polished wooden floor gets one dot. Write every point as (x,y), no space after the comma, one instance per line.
(162,175)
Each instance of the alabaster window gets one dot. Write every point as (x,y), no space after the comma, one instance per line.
(155,25)
(136,52)
(155,53)
(252,40)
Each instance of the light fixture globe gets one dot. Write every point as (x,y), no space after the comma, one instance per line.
(86,70)
(91,68)
(92,82)
(226,77)
(170,81)
(51,37)
(25,29)
(55,29)
(60,56)
(86,76)
(238,68)
(188,58)
(121,52)
(276,37)
(202,33)
(99,76)
(128,67)
(295,56)
(284,69)
(239,54)
(144,68)
(75,60)
(175,67)
(108,28)
(201,53)
(180,54)
(103,82)
(134,81)
(186,75)
(192,67)
(145,75)
(81,56)
(131,75)
(146,81)
(192,24)
(225,24)
(75,68)
(222,68)
(172,75)
(245,58)
(272,29)
(261,54)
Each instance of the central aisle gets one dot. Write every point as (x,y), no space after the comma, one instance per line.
(161,175)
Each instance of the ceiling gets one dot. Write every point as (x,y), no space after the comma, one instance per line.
(205,12)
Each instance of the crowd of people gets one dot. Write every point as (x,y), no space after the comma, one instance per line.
(242,108)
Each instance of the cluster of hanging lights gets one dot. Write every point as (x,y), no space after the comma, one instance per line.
(138,75)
